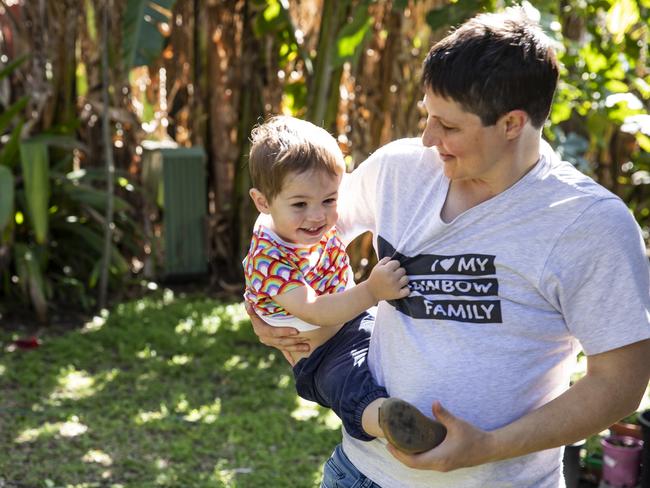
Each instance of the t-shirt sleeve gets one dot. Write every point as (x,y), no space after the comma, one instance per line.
(271,276)
(597,275)
(357,199)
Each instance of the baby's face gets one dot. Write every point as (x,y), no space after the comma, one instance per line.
(306,207)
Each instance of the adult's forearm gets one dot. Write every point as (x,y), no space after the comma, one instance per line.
(591,405)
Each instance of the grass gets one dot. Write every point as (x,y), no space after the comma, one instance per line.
(165,391)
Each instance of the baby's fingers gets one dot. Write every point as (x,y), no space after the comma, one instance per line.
(383,261)
(393,265)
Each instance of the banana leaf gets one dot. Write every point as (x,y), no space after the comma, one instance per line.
(353,36)
(142,42)
(9,153)
(95,242)
(6,196)
(95,198)
(36,175)
(11,112)
(32,281)
(7,70)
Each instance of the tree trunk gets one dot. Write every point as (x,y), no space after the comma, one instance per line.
(110,167)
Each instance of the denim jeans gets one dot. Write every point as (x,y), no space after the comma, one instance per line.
(339,472)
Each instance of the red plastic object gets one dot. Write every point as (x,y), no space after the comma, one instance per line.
(27,342)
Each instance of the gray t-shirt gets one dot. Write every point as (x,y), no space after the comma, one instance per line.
(503,298)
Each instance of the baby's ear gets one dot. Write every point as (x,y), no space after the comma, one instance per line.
(260,201)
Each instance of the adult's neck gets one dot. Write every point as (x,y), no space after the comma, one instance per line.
(518,157)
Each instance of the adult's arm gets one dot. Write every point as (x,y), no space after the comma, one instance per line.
(611,389)
(286,339)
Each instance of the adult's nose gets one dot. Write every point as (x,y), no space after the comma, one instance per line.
(430,136)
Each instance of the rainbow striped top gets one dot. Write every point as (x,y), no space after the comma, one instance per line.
(273,266)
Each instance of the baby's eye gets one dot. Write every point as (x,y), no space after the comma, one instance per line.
(299,204)
(330,201)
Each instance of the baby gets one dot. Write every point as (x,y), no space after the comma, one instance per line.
(298,275)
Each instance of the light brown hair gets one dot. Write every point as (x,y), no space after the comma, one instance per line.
(285,145)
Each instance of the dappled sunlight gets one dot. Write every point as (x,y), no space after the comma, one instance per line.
(152,416)
(146,353)
(95,324)
(331,420)
(145,304)
(70,428)
(76,384)
(305,410)
(236,313)
(180,360)
(235,362)
(72,385)
(183,394)
(185,326)
(97,456)
(207,414)
(317,476)
(225,475)
(284,381)
(210,324)
(267,362)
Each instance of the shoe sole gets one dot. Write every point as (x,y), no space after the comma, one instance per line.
(407,428)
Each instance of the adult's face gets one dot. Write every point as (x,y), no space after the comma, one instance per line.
(468,149)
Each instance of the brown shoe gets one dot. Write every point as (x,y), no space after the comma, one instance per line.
(407,428)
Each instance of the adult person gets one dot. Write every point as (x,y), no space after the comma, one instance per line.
(515,260)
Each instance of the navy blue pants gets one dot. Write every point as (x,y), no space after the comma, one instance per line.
(336,375)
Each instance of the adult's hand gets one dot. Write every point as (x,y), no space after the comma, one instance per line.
(464,446)
(286,339)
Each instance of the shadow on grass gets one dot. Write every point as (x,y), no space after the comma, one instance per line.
(164,391)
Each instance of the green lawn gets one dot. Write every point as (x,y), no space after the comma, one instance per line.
(163,391)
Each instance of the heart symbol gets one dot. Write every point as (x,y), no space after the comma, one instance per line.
(447,263)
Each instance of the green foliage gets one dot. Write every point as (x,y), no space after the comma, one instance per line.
(6,197)
(52,219)
(36,175)
(353,35)
(56,230)
(163,391)
(604,99)
(142,41)
(455,13)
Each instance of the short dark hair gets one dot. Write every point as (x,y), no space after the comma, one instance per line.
(495,63)
(285,145)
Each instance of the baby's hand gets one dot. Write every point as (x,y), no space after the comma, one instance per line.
(388,281)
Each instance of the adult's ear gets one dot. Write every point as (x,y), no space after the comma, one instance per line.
(260,201)
(514,123)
